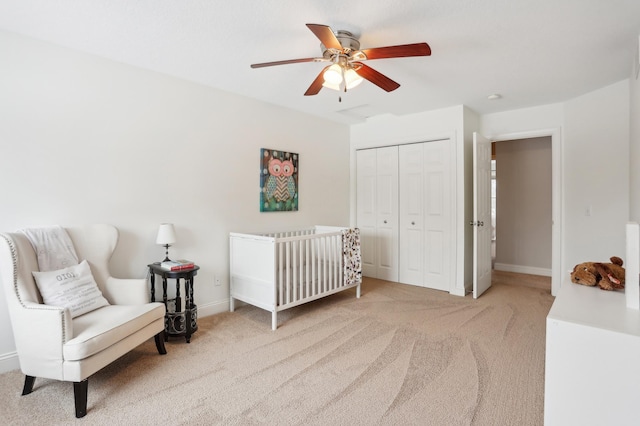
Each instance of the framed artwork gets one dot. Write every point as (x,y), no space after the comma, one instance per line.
(278,180)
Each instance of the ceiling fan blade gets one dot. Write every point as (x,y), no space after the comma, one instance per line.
(290,61)
(315,87)
(380,80)
(326,36)
(401,51)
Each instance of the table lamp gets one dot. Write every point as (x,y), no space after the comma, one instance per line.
(166,237)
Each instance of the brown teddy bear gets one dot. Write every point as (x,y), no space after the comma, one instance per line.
(608,276)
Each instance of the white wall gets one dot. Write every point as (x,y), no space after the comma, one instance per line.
(596,173)
(634,148)
(594,140)
(86,140)
(522,120)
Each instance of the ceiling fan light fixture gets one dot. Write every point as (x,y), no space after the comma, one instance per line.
(338,77)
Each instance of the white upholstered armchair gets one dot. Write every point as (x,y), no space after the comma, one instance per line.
(49,342)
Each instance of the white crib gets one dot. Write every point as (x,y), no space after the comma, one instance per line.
(278,271)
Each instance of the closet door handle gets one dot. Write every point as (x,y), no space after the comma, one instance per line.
(384,221)
(413,223)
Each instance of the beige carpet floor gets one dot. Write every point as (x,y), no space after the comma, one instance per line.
(400,355)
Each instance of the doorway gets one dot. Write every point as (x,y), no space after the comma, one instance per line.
(522,206)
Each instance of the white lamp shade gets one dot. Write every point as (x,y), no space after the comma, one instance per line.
(331,86)
(333,75)
(351,78)
(166,234)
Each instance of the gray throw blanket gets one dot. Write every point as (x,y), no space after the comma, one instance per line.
(53,247)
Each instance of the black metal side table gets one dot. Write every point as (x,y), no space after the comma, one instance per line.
(177,321)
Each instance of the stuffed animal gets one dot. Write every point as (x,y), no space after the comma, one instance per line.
(607,276)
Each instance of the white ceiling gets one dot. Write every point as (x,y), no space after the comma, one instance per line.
(532,52)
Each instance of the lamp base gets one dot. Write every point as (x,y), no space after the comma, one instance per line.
(166,254)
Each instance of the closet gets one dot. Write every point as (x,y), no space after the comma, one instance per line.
(403,210)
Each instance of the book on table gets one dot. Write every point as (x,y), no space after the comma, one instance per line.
(177,265)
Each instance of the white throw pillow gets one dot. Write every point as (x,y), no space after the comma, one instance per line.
(72,287)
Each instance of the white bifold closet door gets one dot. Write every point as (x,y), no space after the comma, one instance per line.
(404,213)
(425,214)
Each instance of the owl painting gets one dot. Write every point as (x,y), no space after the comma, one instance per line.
(278,181)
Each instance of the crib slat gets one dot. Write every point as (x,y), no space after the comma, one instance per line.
(301,269)
(330,266)
(294,270)
(335,263)
(329,263)
(336,258)
(287,265)
(318,263)
(314,273)
(300,266)
(324,264)
(280,275)
(340,263)
(306,263)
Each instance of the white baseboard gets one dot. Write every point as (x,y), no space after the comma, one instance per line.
(213,308)
(531,270)
(9,362)
(457,291)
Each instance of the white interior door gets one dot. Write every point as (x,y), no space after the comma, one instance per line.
(366,208)
(481,214)
(387,213)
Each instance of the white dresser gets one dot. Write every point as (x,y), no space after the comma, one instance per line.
(592,372)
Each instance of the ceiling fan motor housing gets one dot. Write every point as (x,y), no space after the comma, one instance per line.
(348,41)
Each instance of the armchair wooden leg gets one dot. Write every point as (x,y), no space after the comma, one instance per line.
(159,338)
(80,390)
(28,385)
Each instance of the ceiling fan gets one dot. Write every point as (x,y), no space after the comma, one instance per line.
(346,70)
